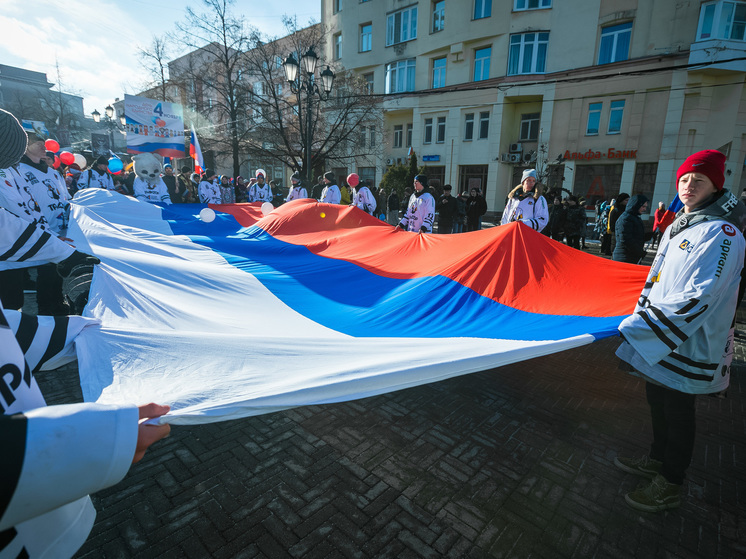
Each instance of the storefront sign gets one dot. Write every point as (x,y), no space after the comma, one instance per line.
(431,157)
(610,154)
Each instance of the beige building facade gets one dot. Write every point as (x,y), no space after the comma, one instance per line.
(600,96)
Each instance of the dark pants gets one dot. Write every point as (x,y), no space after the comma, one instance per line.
(445,226)
(50,300)
(573,241)
(674,426)
(606,244)
(11,288)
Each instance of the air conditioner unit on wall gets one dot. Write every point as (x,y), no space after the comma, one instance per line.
(505,157)
(389,161)
(529,157)
(515,148)
(515,157)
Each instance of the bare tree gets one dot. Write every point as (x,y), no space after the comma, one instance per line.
(154,60)
(210,75)
(279,122)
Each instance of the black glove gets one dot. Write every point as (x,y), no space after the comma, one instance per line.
(77,258)
(423,229)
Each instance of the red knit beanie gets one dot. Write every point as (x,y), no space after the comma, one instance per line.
(709,162)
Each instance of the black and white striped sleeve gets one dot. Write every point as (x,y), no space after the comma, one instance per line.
(24,244)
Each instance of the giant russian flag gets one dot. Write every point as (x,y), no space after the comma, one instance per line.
(318,303)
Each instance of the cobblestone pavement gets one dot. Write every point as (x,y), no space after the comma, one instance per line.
(512,462)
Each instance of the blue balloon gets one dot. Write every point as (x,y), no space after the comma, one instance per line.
(115,165)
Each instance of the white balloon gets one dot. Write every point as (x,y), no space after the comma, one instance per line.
(80,160)
(267,207)
(207,215)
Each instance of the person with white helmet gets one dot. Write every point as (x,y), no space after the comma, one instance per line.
(259,189)
(297,190)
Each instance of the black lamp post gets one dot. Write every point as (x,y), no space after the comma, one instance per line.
(301,78)
(109,121)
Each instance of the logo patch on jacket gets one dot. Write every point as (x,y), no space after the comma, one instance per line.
(728,229)
(686,245)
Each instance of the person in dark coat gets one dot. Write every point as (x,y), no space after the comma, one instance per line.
(476,207)
(617,209)
(574,222)
(557,215)
(447,211)
(630,232)
(392,203)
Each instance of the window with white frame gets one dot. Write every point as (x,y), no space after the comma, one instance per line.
(616,113)
(439,16)
(372,136)
(440,136)
(439,72)
(400,76)
(408,139)
(366,37)
(484,125)
(398,135)
(278,61)
(594,119)
(482,8)
(528,53)
(278,89)
(614,45)
(258,88)
(369,81)
(482,63)
(529,127)
(336,5)
(401,26)
(722,20)
(337,46)
(519,5)
(428,136)
(468,127)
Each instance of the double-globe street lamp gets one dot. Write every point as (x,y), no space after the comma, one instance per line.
(301,78)
(109,122)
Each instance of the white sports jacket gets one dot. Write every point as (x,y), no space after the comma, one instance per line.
(681,333)
(420,213)
(528,210)
(363,198)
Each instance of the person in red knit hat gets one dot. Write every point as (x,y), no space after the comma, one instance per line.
(680,337)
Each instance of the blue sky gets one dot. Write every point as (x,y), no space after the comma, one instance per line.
(95,42)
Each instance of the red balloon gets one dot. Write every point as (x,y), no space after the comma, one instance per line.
(52,145)
(67,158)
(353,179)
(56,163)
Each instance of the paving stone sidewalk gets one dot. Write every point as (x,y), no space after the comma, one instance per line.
(513,462)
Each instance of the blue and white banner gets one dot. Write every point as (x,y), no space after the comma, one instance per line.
(154,126)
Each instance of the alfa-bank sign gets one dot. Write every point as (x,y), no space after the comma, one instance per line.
(610,154)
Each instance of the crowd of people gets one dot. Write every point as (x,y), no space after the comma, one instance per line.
(679,338)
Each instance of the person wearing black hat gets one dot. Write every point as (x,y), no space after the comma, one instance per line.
(617,209)
(420,212)
(297,190)
(45,510)
(679,338)
(97,175)
(331,193)
(184,186)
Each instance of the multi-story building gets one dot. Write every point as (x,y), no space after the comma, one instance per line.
(601,96)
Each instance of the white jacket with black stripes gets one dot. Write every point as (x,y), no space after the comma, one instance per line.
(681,333)
(528,210)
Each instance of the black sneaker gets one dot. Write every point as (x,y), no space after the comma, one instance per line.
(656,496)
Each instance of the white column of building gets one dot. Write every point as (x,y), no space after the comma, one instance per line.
(665,178)
(503,173)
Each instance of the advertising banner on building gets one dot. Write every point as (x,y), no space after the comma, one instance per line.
(154,126)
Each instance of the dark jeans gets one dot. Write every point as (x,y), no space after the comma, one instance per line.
(573,241)
(11,288)
(445,227)
(674,426)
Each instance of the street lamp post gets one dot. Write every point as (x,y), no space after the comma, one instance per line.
(109,121)
(303,80)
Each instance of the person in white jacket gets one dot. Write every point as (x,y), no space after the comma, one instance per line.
(680,337)
(297,190)
(331,193)
(526,204)
(259,190)
(209,191)
(96,176)
(52,457)
(362,197)
(420,212)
